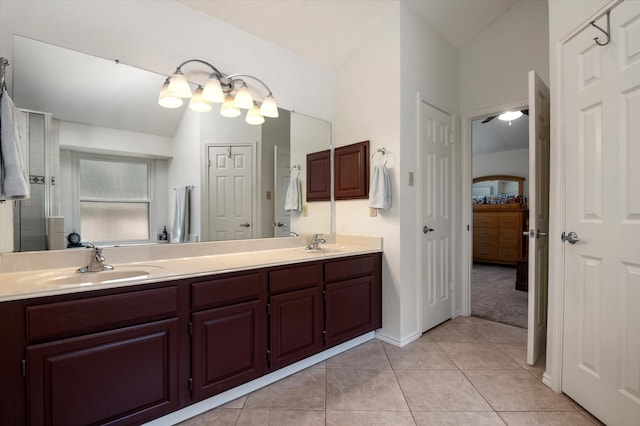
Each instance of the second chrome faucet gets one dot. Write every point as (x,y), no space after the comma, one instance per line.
(96,261)
(315,241)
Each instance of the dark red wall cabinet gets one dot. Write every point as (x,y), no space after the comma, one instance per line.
(351,172)
(319,176)
(129,355)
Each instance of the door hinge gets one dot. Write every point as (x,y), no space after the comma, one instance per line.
(190,384)
(190,328)
(24,368)
(269,357)
(324,336)
(324,295)
(467,227)
(268,308)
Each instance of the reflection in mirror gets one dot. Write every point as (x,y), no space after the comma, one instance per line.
(501,189)
(105,111)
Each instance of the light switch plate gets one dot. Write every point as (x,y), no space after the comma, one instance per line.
(410,178)
(305,211)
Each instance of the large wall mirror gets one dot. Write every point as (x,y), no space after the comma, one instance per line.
(118,154)
(496,187)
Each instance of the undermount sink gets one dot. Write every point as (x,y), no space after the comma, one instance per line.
(324,250)
(102,277)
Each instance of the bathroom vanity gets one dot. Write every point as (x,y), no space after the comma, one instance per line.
(131,351)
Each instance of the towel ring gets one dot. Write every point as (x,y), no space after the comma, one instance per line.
(383,152)
(296,168)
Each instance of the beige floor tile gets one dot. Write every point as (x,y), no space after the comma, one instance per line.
(500,333)
(480,355)
(215,417)
(515,390)
(369,418)
(545,419)
(360,390)
(421,354)
(304,390)
(518,352)
(455,332)
(367,355)
(262,417)
(236,403)
(439,390)
(591,418)
(453,418)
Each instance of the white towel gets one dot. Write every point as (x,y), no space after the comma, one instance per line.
(293,200)
(180,231)
(380,188)
(14,177)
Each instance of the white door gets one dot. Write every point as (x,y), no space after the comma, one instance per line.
(230,192)
(435,139)
(539,162)
(282,160)
(601,338)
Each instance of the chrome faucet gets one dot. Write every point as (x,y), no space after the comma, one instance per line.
(315,241)
(95,264)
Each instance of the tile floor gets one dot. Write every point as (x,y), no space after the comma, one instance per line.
(467,371)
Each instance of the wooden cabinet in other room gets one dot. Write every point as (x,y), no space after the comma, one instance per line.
(497,235)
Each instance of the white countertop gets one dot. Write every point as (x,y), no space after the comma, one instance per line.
(54,281)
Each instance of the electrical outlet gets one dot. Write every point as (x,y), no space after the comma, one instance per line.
(268,195)
(373,212)
(410,178)
(305,211)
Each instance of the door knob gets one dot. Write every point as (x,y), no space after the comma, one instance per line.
(245,225)
(426,229)
(571,237)
(280,224)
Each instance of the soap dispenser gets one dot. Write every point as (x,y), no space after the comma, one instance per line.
(164,236)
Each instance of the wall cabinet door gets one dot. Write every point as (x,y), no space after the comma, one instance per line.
(351,309)
(123,377)
(228,347)
(296,325)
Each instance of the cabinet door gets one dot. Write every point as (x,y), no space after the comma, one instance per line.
(228,347)
(351,309)
(351,171)
(121,377)
(296,325)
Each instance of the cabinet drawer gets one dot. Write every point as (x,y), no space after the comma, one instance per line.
(349,268)
(485,220)
(293,278)
(225,291)
(508,254)
(485,233)
(486,252)
(509,238)
(76,317)
(509,220)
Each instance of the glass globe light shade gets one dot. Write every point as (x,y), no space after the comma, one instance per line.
(510,115)
(213,91)
(228,108)
(198,103)
(269,107)
(254,116)
(179,86)
(167,101)
(243,98)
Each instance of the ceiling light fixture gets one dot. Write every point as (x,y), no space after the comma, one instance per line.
(229,89)
(509,116)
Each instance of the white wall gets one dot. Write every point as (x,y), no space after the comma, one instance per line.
(514,162)
(494,66)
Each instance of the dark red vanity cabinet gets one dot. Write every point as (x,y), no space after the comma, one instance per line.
(353,295)
(229,345)
(295,313)
(105,359)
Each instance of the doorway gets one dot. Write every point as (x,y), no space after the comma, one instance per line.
(499,193)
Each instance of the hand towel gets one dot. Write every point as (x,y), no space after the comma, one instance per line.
(293,199)
(14,177)
(180,231)
(380,188)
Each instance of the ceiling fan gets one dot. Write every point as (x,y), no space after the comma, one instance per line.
(488,119)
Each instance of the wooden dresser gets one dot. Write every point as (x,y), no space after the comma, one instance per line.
(497,233)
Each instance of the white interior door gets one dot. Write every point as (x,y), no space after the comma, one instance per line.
(282,161)
(601,336)
(230,192)
(435,139)
(539,167)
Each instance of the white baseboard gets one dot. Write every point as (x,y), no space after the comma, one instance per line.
(237,392)
(398,342)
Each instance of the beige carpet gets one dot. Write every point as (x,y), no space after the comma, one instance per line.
(494,295)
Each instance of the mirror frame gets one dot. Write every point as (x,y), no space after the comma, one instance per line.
(518,179)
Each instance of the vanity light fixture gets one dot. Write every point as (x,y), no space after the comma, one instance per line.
(510,116)
(229,89)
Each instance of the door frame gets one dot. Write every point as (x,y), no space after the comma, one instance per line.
(419,217)
(552,377)
(466,164)
(204,184)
